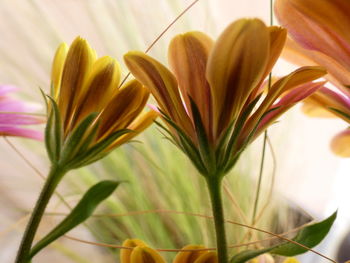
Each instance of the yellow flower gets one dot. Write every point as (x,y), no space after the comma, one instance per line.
(210,101)
(141,253)
(93,111)
(320,36)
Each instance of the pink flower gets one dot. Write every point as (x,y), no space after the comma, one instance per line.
(14,114)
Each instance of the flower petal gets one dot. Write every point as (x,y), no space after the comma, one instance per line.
(101,83)
(188,55)
(189,256)
(235,67)
(123,108)
(318,25)
(78,63)
(57,69)
(21,132)
(142,254)
(163,86)
(126,253)
(340,144)
(209,257)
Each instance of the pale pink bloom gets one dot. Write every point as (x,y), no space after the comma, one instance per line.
(14,114)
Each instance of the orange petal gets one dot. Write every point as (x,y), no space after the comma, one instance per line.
(209,257)
(189,256)
(188,55)
(340,144)
(142,254)
(235,67)
(126,253)
(101,83)
(77,65)
(123,108)
(162,85)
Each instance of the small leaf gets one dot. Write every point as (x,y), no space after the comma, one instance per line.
(309,236)
(54,132)
(82,211)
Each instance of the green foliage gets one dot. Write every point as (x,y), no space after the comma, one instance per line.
(309,236)
(82,211)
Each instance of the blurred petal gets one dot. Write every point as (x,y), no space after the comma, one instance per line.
(123,108)
(141,254)
(340,144)
(142,122)
(104,77)
(235,67)
(57,69)
(126,253)
(163,86)
(21,132)
(4,89)
(209,257)
(318,25)
(76,68)
(189,256)
(291,260)
(313,109)
(188,55)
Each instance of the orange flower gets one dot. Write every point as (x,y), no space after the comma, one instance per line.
(213,101)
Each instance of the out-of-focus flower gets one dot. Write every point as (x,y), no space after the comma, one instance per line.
(91,105)
(14,114)
(291,260)
(213,103)
(320,36)
(141,253)
(264,258)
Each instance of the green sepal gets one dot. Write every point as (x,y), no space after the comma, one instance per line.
(228,152)
(54,133)
(205,149)
(95,152)
(82,211)
(309,236)
(74,140)
(187,146)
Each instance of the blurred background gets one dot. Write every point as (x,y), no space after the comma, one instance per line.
(309,182)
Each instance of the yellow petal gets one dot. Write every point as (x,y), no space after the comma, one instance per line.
(76,68)
(142,122)
(101,84)
(162,85)
(57,69)
(123,108)
(188,55)
(126,253)
(235,67)
(313,109)
(209,257)
(142,254)
(291,260)
(340,144)
(189,256)
(264,258)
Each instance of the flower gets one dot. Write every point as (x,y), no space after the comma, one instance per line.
(91,115)
(141,253)
(213,101)
(14,114)
(320,36)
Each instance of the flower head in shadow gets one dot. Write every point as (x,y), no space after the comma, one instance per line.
(89,114)
(213,102)
(14,114)
(320,35)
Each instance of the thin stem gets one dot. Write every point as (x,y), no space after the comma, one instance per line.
(214,184)
(49,187)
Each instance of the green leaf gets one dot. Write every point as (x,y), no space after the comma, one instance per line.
(309,236)
(82,211)
(54,133)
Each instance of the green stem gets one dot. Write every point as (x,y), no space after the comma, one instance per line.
(214,186)
(50,185)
